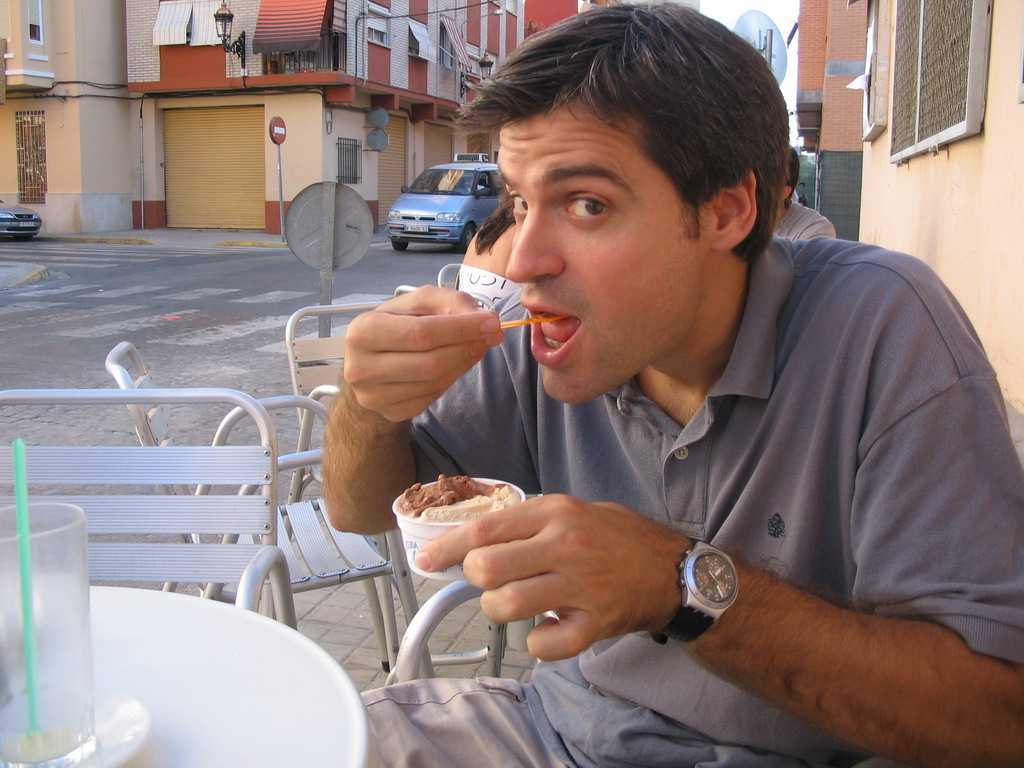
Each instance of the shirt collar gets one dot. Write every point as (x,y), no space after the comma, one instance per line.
(751,367)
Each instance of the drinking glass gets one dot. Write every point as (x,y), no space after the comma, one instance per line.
(46,684)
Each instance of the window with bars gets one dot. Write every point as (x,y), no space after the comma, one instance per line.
(350,161)
(939,72)
(30,136)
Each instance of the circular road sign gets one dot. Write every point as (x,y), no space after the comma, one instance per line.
(353,225)
(277,130)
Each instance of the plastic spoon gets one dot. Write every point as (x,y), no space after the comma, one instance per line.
(531,320)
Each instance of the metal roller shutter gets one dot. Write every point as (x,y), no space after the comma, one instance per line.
(391,167)
(214,174)
(437,144)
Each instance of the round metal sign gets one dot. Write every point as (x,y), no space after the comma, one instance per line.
(378,140)
(304,225)
(277,130)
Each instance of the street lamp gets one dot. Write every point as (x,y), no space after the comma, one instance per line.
(486,65)
(223,17)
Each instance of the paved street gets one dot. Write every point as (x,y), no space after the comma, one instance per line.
(205,309)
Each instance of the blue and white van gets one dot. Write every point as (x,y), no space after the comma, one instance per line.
(446,204)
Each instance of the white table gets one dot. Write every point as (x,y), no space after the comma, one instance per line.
(224,686)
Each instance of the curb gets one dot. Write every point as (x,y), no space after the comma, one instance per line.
(251,244)
(122,240)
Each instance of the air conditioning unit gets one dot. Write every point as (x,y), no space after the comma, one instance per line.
(472,157)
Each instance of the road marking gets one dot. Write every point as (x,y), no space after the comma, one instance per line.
(56,291)
(202,336)
(116,329)
(199,293)
(118,292)
(272,297)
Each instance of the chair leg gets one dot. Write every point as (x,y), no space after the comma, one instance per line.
(377,616)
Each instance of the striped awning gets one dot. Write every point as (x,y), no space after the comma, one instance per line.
(172,20)
(290,25)
(457,43)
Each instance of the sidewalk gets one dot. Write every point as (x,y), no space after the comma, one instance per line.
(13,274)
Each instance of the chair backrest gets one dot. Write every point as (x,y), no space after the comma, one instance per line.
(314,361)
(139,533)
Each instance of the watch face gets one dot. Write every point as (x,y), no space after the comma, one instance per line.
(714,578)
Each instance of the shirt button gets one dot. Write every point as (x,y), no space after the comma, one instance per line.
(682,453)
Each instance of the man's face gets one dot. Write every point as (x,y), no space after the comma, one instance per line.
(603,236)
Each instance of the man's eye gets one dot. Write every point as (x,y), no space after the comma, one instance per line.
(586,207)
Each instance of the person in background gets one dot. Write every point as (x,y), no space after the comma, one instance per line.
(799,222)
(482,273)
(781,517)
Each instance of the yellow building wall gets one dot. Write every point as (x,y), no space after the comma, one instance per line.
(962,210)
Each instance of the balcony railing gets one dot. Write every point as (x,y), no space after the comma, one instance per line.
(329,57)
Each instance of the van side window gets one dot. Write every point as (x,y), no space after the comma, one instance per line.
(483,183)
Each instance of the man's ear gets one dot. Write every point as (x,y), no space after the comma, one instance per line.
(729,216)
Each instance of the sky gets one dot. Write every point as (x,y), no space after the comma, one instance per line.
(783,12)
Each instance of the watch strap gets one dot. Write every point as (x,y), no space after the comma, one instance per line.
(688,624)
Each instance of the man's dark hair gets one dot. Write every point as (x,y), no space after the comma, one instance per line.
(705,103)
(793,177)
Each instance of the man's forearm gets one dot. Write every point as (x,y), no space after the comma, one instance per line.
(367,461)
(909,690)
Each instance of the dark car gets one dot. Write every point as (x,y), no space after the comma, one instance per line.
(22,223)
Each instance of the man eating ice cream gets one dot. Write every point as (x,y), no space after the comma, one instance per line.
(751,450)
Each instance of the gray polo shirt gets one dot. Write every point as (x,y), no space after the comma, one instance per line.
(857,432)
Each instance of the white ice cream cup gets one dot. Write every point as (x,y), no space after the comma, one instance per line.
(416,533)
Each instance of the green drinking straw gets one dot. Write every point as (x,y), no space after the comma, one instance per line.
(25,566)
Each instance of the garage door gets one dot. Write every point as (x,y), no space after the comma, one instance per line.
(213,168)
(391,167)
(437,144)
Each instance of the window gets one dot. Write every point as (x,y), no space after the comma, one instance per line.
(446,54)
(186,21)
(939,72)
(1020,69)
(35,21)
(350,153)
(30,138)
(419,41)
(377,25)
(875,80)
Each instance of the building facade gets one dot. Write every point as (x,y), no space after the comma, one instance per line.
(66,116)
(366,93)
(943,117)
(141,113)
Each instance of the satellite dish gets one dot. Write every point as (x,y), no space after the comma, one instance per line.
(760,31)
(304,224)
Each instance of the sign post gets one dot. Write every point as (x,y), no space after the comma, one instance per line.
(278,131)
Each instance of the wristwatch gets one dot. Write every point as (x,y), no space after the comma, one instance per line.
(707,580)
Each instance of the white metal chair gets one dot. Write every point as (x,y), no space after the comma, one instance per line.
(317,555)
(315,365)
(135,529)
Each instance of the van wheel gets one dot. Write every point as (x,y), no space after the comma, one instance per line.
(399,245)
(467,234)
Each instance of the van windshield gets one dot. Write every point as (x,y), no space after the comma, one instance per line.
(440,181)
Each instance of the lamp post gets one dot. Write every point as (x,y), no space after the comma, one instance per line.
(223,17)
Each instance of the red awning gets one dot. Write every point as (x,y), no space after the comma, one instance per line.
(290,25)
